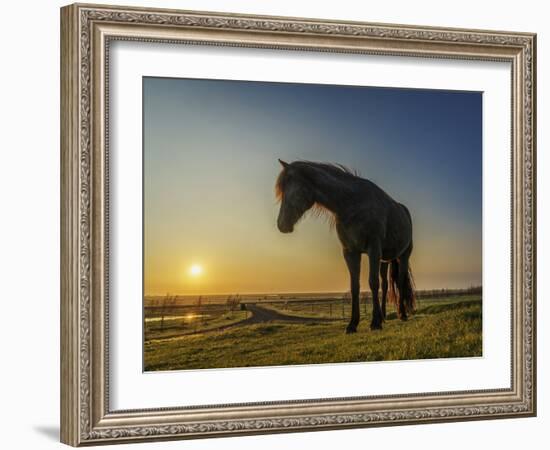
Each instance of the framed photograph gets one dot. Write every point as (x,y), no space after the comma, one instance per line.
(274,224)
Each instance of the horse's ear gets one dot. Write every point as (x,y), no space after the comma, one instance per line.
(283,163)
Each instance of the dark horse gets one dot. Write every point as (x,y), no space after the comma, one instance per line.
(367,220)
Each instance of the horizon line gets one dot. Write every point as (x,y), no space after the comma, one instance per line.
(367,291)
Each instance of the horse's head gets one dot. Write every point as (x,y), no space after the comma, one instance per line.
(295,195)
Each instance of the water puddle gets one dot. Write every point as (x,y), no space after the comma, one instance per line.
(186,317)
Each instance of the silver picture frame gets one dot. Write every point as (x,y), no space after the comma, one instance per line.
(87,32)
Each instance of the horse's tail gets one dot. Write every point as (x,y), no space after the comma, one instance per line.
(406,293)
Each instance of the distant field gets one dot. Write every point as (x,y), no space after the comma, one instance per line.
(342,309)
(189,320)
(306,332)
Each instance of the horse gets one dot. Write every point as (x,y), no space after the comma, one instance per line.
(367,220)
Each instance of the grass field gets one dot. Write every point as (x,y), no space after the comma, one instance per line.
(311,332)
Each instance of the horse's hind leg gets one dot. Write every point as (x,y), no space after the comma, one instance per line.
(353,261)
(384,276)
(403,270)
(374,282)
(402,282)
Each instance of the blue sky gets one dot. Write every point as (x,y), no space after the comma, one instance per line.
(210,164)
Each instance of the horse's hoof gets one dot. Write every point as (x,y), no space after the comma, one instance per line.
(404,318)
(375,326)
(351,329)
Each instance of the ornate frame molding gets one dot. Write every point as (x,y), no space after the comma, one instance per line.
(86,31)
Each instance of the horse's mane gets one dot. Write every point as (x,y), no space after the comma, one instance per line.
(337,173)
(334,168)
(317,170)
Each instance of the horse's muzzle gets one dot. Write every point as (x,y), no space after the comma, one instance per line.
(284,228)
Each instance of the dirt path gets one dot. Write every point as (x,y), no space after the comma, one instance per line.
(259,314)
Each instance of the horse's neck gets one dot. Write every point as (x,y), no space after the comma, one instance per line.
(331,195)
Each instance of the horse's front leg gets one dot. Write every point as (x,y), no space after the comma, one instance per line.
(353,261)
(374,283)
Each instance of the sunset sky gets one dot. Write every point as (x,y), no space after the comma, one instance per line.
(210,164)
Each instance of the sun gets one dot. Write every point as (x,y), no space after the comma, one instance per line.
(195,270)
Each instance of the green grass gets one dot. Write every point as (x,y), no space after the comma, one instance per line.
(440,329)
